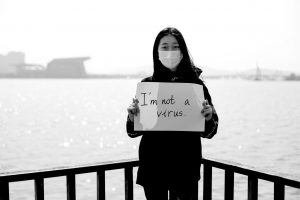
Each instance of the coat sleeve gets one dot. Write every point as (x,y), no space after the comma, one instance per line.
(211,126)
(130,129)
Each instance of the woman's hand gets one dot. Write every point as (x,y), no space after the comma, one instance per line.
(207,110)
(133,109)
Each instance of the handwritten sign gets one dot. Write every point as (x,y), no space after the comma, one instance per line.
(169,107)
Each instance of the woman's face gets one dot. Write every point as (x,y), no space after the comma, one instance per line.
(168,43)
(169,52)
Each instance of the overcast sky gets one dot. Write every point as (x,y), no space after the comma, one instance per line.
(118,35)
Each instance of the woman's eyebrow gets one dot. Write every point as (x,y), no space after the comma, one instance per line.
(165,43)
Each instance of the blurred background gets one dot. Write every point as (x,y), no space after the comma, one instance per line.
(116,37)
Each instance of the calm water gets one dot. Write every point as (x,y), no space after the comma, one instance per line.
(50,123)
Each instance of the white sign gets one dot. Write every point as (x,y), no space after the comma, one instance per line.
(169,107)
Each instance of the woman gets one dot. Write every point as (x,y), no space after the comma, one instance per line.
(168,161)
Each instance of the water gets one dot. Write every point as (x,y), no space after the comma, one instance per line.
(49,123)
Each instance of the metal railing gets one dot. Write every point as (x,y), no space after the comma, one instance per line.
(208,164)
(280,181)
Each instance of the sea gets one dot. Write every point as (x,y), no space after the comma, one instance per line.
(49,123)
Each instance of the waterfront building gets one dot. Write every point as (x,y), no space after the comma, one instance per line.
(9,63)
(66,68)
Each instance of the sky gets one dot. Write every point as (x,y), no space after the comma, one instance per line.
(119,35)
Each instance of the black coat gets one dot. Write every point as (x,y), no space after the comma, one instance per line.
(167,158)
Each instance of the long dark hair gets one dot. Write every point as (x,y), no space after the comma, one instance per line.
(185,69)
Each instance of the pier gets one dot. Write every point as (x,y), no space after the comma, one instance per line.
(230,169)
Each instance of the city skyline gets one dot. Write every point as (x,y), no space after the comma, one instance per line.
(119,36)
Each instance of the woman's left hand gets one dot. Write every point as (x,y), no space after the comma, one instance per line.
(207,110)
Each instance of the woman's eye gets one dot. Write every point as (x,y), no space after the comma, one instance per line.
(164,47)
(176,47)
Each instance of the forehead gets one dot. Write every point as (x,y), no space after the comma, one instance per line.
(168,39)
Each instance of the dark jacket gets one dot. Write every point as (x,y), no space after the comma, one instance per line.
(167,158)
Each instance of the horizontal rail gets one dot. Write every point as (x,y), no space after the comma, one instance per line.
(267,175)
(279,180)
(63,171)
(70,172)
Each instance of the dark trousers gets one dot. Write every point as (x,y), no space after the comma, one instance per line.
(176,192)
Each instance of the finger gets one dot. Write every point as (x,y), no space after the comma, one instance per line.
(207,107)
(206,112)
(135,101)
(205,103)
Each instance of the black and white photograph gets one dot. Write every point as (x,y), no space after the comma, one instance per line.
(149,100)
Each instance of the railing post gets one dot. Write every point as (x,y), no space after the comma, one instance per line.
(101,185)
(39,188)
(4,190)
(229,184)
(128,183)
(278,190)
(71,190)
(252,187)
(207,181)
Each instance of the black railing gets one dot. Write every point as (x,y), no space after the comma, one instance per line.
(208,164)
(279,181)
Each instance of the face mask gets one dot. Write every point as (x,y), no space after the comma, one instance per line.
(170,59)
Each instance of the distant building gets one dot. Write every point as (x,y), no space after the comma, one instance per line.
(27,70)
(67,68)
(9,63)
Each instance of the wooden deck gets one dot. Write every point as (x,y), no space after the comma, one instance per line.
(279,180)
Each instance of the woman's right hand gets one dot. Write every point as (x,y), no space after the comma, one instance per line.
(133,109)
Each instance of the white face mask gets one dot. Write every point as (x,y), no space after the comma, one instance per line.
(170,59)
